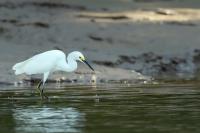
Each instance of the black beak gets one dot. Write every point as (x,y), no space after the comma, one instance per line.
(88,64)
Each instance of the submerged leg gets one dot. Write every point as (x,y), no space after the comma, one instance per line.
(38,88)
(43,94)
(41,91)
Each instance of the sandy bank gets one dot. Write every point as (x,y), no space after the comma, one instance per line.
(150,38)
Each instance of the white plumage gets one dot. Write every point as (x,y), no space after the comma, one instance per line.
(45,62)
(50,61)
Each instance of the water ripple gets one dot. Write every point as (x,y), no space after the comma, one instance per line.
(49,120)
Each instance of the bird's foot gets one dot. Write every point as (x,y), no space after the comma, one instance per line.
(43,96)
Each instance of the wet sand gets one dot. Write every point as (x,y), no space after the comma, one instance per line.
(158,39)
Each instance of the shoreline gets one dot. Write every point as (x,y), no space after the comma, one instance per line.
(154,40)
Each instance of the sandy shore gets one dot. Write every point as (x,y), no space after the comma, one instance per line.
(158,39)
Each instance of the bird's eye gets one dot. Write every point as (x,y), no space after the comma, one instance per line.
(81,58)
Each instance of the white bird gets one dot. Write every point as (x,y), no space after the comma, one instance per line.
(48,62)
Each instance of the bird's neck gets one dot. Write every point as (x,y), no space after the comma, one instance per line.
(71,65)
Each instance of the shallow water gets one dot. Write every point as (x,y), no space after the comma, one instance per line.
(102,109)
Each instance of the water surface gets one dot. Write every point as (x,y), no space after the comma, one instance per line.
(108,108)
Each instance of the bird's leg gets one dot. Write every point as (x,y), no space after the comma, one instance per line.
(38,88)
(43,95)
(44,80)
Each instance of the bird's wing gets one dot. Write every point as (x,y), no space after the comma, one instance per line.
(40,63)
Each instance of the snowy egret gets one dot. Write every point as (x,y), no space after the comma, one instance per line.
(48,62)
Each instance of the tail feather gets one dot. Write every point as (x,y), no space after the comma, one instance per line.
(19,67)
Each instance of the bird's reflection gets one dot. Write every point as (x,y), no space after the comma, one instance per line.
(48,120)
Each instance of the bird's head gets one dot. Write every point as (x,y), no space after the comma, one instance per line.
(78,56)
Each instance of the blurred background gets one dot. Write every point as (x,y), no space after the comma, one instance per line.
(158,38)
(126,41)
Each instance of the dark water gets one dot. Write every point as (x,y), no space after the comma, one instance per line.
(103,109)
